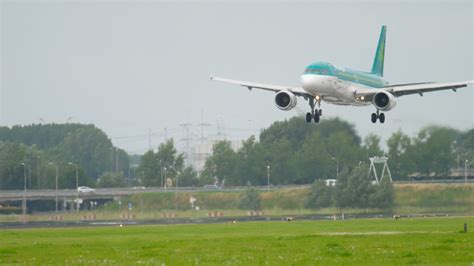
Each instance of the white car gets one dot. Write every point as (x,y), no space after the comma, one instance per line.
(85,190)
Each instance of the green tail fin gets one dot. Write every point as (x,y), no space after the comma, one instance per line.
(377,67)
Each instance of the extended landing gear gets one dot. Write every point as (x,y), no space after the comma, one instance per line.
(315,113)
(379,116)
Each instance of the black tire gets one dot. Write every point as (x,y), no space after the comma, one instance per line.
(308,117)
(374,117)
(320,112)
(382,118)
(316,117)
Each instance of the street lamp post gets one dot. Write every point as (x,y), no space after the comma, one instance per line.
(24,192)
(337,167)
(56,193)
(29,168)
(129,174)
(465,170)
(268,177)
(77,185)
(38,157)
(177,179)
(161,175)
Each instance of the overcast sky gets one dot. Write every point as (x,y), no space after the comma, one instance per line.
(131,66)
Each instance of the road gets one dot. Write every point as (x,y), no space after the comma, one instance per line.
(110,193)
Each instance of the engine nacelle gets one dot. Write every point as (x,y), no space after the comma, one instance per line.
(285,100)
(384,101)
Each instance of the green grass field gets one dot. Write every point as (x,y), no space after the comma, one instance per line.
(371,241)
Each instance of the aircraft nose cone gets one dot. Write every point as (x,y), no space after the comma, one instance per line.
(312,81)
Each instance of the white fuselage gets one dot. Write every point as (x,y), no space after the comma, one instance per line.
(331,89)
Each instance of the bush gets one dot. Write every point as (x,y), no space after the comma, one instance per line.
(357,191)
(250,200)
(383,195)
(320,195)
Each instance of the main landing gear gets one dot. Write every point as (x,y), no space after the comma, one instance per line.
(315,113)
(379,116)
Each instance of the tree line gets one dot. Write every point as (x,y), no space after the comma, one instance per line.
(288,152)
(36,150)
(295,152)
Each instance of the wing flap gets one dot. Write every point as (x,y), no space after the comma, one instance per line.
(408,84)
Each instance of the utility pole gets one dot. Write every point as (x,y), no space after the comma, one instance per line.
(23,205)
(56,193)
(57,174)
(77,185)
(29,169)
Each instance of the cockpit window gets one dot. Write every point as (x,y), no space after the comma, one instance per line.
(320,69)
(313,70)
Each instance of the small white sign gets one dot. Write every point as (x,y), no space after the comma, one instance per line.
(78,201)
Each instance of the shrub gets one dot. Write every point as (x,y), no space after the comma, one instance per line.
(357,191)
(250,200)
(320,195)
(383,195)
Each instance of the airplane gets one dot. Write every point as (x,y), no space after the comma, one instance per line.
(324,82)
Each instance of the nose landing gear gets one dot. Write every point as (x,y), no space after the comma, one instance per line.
(379,116)
(315,113)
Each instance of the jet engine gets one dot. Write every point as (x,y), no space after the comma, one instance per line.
(285,100)
(384,101)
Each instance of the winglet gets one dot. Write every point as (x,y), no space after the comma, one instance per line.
(377,67)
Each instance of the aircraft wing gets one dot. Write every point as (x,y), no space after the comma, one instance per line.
(427,87)
(298,91)
(415,88)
